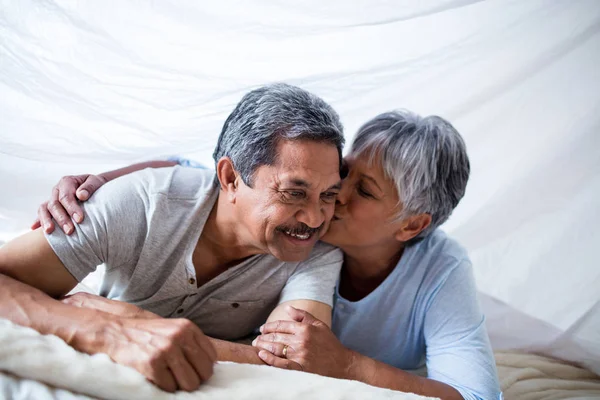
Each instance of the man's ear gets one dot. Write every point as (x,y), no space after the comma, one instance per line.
(228,178)
(412,226)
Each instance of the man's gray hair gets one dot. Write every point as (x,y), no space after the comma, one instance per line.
(426,158)
(272,113)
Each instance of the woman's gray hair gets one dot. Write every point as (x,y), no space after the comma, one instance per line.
(426,158)
(271,113)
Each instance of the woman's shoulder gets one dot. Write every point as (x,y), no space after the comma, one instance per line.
(442,250)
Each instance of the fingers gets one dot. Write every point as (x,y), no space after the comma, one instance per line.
(205,344)
(290,327)
(45,218)
(300,315)
(163,378)
(274,348)
(58,212)
(198,350)
(278,362)
(200,361)
(36,224)
(185,375)
(66,197)
(201,354)
(89,186)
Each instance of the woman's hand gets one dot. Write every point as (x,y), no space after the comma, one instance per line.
(63,204)
(311,346)
(119,308)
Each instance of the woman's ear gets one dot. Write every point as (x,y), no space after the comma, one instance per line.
(412,226)
(228,178)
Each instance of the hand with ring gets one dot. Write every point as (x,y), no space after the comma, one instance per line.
(305,344)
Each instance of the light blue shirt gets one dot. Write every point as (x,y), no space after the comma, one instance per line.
(425,313)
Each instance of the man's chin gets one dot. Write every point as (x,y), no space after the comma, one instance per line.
(288,252)
(288,256)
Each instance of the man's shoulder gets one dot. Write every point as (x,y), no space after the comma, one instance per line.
(173,182)
(321,254)
(190,183)
(324,251)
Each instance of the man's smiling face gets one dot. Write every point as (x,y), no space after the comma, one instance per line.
(290,204)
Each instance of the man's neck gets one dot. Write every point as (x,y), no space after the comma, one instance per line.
(221,244)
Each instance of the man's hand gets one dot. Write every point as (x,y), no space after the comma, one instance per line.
(63,203)
(308,343)
(172,353)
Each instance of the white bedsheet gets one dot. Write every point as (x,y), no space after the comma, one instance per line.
(33,360)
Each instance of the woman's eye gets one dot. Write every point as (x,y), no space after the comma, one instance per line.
(296,194)
(363,192)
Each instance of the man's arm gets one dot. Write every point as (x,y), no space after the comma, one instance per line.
(226,351)
(320,310)
(32,277)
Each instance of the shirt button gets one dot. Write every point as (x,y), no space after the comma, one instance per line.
(235,305)
(180,311)
(192,281)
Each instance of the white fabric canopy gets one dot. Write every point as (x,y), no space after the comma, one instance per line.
(89,86)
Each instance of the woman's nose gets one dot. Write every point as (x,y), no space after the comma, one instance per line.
(342,197)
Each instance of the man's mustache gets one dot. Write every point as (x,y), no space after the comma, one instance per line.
(301,229)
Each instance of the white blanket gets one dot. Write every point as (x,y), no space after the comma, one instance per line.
(35,365)
(533,377)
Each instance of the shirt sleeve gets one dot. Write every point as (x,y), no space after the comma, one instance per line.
(112,232)
(458,348)
(315,278)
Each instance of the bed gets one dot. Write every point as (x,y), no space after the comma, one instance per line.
(45,368)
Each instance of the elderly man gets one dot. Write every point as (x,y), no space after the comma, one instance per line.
(224,249)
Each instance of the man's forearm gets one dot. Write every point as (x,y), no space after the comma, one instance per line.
(110,175)
(376,373)
(236,352)
(27,306)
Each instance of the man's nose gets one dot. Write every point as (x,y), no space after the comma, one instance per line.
(312,215)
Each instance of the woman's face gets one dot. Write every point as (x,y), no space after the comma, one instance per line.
(366,207)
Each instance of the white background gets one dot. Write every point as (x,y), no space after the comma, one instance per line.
(87,86)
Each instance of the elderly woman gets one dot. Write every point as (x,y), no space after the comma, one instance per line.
(406,297)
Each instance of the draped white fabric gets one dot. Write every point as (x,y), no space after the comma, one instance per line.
(89,86)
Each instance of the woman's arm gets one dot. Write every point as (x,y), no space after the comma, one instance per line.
(376,373)
(110,175)
(63,205)
(307,344)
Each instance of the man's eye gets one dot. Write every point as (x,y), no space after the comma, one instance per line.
(329,196)
(296,194)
